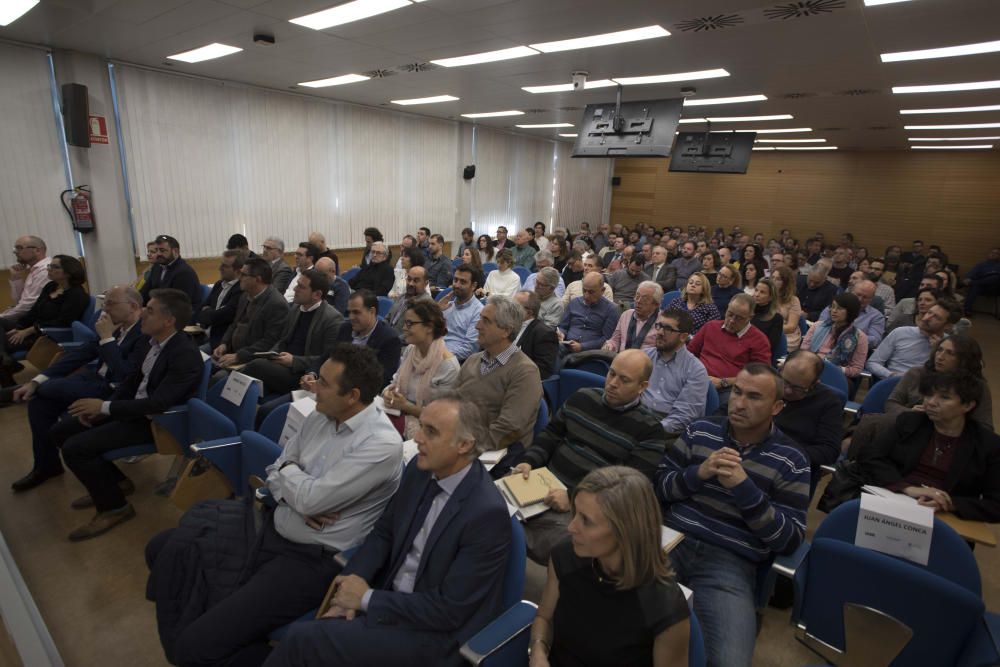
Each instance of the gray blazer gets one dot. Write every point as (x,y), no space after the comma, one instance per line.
(258,324)
(320,340)
(281,275)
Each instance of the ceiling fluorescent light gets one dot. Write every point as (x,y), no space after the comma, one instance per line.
(872,3)
(763,148)
(493,114)
(567,87)
(12,10)
(770,130)
(539,126)
(790,141)
(749,119)
(205,53)
(426,100)
(944,52)
(562,134)
(947,87)
(335,81)
(954,139)
(967,126)
(988,107)
(805,148)
(695,102)
(487,57)
(953,148)
(649,32)
(670,78)
(348,13)
(691,120)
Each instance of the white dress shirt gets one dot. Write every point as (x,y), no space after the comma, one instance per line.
(24,293)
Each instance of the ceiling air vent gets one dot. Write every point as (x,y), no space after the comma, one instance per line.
(717,22)
(417,67)
(795,96)
(881,127)
(536,111)
(803,8)
(569,109)
(379,73)
(858,92)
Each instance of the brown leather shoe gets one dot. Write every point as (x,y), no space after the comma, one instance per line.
(102,523)
(83,502)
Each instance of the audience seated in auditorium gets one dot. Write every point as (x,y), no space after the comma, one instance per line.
(219,309)
(813,415)
(428,370)
(260,317)
(461,312)
(504,281)
(543,259)
(151,260)
(169,374)
(306,256)
(573,270)
(408,258)
(588,320)
(28,275)
(841,269)
(608,425)
(710,264)
(560,251)
(614,259)
(686,264)
(423,241)
(939,455)
(659,271)
(373,236)
(273,250)
(726,347)
(728,283)
(635,326)
(503,381)
(339,290)
(438,265)
(835,337)
(364,327)
(600,239)
(523,253)
(331,482)
(486,251)
(591,264)
(678,387)
(545,285)
(906,347)
(625,281)
(909,311)
(417,287)
(60,303)
(536,338)
(789,307)
(310,334)
(240,242)
(738,488)
(876,269)
(749,275)
(502,241)
(376,274)
(319,241)
(468,243)
(982,279)
(815,292)
(869,319)
(766,316)
(613,562)
(172,271)
(696,299)
(472,258)
(71,377)
(431,572)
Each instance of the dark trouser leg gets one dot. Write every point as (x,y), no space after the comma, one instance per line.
(277,379)
(83,449)
(989,285)
(51,400)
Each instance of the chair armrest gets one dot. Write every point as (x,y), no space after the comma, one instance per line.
(827,468)
(264,497)
(501,632)
(852,407)
(212,445)
(342,557)
(58,334)
(787,564)
(71,344)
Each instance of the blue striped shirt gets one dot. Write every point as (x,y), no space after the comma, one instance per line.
(763,515)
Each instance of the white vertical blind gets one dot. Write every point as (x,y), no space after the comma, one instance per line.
(32,169)
(583,188)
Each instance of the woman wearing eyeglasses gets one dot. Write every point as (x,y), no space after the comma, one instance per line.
(61,303)
(428,369)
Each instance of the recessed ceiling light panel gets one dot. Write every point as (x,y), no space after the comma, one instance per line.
(988,107)
(12,10)
(205,53)
(567,87)
(697,102)
(947,87)
(335,81)
(791,141)
(952,148)
(426,100)
(487,57)
(649,32)
(493,114)
(944,52)
(954,139)
(966,126)
(348,13)
(671,78)
(539,126)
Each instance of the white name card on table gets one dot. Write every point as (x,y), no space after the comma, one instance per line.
(894,527)
(236,387)
(297,413)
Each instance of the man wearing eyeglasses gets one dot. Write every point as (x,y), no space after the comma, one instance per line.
(27,278)
(377,275)
(813,415)
(679,383)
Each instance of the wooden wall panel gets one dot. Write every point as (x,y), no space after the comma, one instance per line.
(950,199)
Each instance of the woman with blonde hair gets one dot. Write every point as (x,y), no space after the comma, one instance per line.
(788,305)
(696,299)
(428,369)
(613,563)
(766,316)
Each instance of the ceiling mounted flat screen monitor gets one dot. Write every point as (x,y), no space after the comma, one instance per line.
(713,152)
(635,129)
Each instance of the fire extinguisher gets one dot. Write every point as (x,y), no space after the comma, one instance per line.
(78,208)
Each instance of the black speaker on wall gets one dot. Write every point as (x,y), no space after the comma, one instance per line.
(76,114)
(616,180)
(469,172)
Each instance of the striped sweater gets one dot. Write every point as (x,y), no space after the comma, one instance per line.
(762,516)
(586,433)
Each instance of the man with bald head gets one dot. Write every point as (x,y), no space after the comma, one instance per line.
(589,320)
(340,291)
(609,425)
(319,241)
(869,320)
(28,275)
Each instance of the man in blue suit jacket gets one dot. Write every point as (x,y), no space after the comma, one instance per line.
(431,573)
(70,378)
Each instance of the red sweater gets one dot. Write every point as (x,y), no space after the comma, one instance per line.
(724,354)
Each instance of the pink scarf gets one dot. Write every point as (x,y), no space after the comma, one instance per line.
(424,366)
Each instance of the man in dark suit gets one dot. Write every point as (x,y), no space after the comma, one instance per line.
(172,271)
(431,572)
(69,378)
(659,270)
(365,328)
(273,250)
(169,369)
(537,339)
(377,275)
(502,240)
(219,310)
(260,317)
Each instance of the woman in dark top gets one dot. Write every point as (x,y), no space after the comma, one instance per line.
(766,316)
(610,598)
(710,263)
(940,456)
(560,252)
(61,303)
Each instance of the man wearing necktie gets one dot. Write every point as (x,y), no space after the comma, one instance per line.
(430,574)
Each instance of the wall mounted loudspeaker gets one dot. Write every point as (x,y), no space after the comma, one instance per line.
(469,172)
(76,113)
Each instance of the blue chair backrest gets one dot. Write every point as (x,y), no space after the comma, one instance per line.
(274,423)
(513,581)
(878,394)
(522,273)
(593,365)
(803,325)
(696,643)
(950,556)
(488,267)
(82,333)
(711,400)
(258,453)
(570,380)
(668,297)
(242,415)
(206,375)
(90,313)
(384,306)
(834,378)
(543,416)
(840,573)
(206,290)
(457,262)
(350,273)
(443,293)
(782,350)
